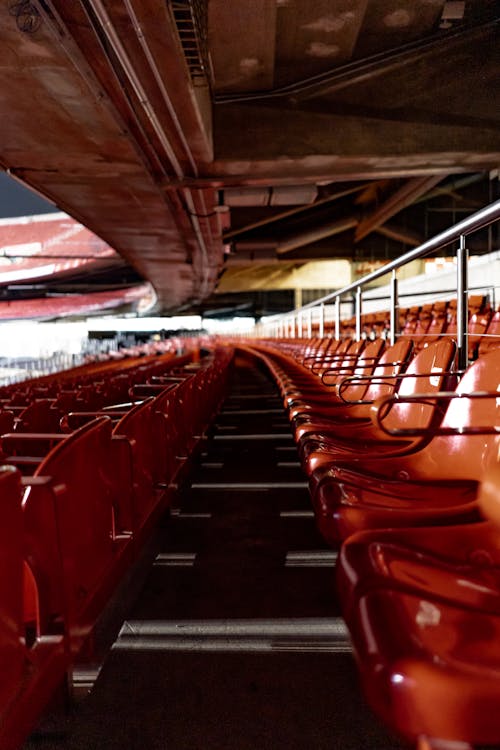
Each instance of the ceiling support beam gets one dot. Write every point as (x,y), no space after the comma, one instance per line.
(400,234)
(307,238)
(402,198)
(293,212)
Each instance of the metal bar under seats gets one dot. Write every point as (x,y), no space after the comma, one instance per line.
(299,634)
(311,559)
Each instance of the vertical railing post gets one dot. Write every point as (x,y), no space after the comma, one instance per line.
(321,320)
(337,318)
(359,304)
(394,319)
(292,327)
(299,324)
(462,303)
(309,323)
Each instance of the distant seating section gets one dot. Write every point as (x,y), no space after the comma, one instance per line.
(402,452)
(428,322)
(90,458)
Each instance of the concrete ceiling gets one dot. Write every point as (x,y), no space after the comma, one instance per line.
(279,129)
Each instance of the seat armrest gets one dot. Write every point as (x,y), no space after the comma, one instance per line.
(381,407)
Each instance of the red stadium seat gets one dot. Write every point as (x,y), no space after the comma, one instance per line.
(433,483)
(34,659)
(425,374)
(491,339)
(360,360)
(423,608)
(349,399)
(138,438)
(77,528)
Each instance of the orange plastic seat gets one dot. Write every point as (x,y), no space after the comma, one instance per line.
(422,325)
(478,325)
(436,327)
(491,339)
(428,668)
(410,322)
(350,398)
(425,374)
(433,483)
(333,353)
(476,304)
(423,608)
(381,323)
(360,360)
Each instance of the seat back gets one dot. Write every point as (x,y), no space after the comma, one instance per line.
(437,325)
(11,587)
(422,325)
(392,362)
(327,348)
(332,356)
(426,373)
(144,453)
(364,364)
(461,456)
(40,416)
(411,321)
(70,516)
(491,339)
(344,365)
(478,325)
(476,303)
(469,455)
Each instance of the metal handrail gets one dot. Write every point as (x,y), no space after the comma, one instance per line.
(458,231)
(480,219)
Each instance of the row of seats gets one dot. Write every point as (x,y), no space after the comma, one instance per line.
(402,452)
(429,322)
(78,501)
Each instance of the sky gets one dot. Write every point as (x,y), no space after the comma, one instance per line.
(16,200)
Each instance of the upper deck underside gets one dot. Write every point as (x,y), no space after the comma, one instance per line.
(316,124)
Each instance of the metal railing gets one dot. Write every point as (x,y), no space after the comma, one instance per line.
(300,321)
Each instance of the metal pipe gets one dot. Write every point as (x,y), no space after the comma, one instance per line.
(180,132)
(462,304)
(159,81)
(394,321)
(359,304)
(135,81)
(102,15)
